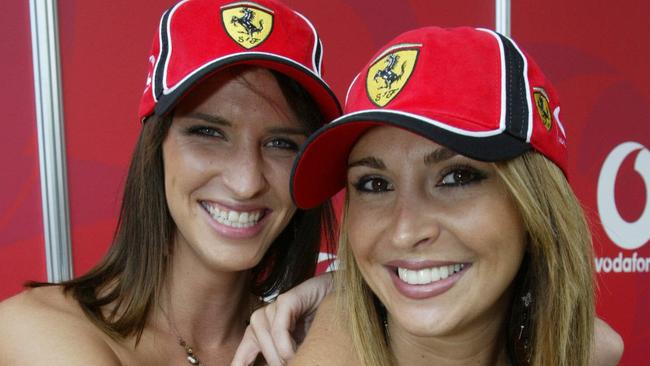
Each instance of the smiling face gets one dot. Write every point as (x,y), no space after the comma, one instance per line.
(435,235)
(227,159)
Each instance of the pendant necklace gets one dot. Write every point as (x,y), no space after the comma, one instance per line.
(192,357)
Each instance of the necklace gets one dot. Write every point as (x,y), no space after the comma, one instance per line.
(192,357)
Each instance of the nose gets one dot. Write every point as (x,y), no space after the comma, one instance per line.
(244,173)
(414,222)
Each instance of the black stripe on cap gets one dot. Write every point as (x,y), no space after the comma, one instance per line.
(517,111)
(159,72)
(166,102)
(318,55)
(498,147)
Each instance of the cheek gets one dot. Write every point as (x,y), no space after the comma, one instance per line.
(362,229)
(499,241)
(185,170)
(171,166)
(278,174)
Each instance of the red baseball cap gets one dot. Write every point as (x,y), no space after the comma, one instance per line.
(472,90)
(196,38)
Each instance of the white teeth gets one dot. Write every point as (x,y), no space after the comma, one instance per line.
(435,274)
(428,275)
(233,218)
(424,276)
(444,272)
(412,277)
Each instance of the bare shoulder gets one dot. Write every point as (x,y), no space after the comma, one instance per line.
(44,326)
(328,342)
(608,345)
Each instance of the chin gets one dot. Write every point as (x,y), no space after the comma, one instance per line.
(233,259)
(425,321)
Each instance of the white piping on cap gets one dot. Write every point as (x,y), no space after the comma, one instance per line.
(316,40)
(430,121)
(502,116)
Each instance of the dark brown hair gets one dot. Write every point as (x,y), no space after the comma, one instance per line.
(119,292)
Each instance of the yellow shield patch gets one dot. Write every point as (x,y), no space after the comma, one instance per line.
(541,102)
(247,23)
(388,75)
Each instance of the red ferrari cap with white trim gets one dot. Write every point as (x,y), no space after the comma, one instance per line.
(472,90)
(196,38)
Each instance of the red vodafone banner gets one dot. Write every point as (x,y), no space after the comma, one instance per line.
(597,57)
(623,208)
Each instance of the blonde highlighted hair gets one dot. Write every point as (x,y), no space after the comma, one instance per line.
(557,270)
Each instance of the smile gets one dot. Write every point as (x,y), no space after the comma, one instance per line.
(428,275)
(232,218)
(425,279)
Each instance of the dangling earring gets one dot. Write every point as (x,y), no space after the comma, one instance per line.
(382,313)
(385,321)
(524,325)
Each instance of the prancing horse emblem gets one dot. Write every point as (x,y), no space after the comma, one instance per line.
(389,73)
(246,21)
(247,25)
(543,108)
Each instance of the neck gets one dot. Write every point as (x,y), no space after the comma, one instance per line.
(480,344)
(207,308)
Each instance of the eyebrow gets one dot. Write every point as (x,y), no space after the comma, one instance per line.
(438,155)
(217,120)
(288,131)
(210,118)
(370,162)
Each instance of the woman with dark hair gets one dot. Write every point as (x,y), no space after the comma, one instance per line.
(207,227)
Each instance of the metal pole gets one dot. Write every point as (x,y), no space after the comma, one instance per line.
(51,143)
(502,17)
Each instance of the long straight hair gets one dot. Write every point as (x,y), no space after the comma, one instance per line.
(557,270)
(358,305)
(118,294)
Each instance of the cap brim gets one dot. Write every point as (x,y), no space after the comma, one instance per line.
(313,84)
(320,169)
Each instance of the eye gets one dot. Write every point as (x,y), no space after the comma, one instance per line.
(282,143)
(206,131)
(373,184)
(460,176)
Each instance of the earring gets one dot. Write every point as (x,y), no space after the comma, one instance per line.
(385,321)
(524,326)
(382,313)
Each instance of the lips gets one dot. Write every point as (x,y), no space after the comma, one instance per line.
(233,218)
(235,223)
(421,280)
(428,275)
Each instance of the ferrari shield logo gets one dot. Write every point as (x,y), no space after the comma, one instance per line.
(388,75)
(247,23)
(541,102)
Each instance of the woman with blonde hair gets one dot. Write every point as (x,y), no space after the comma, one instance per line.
(462,241)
